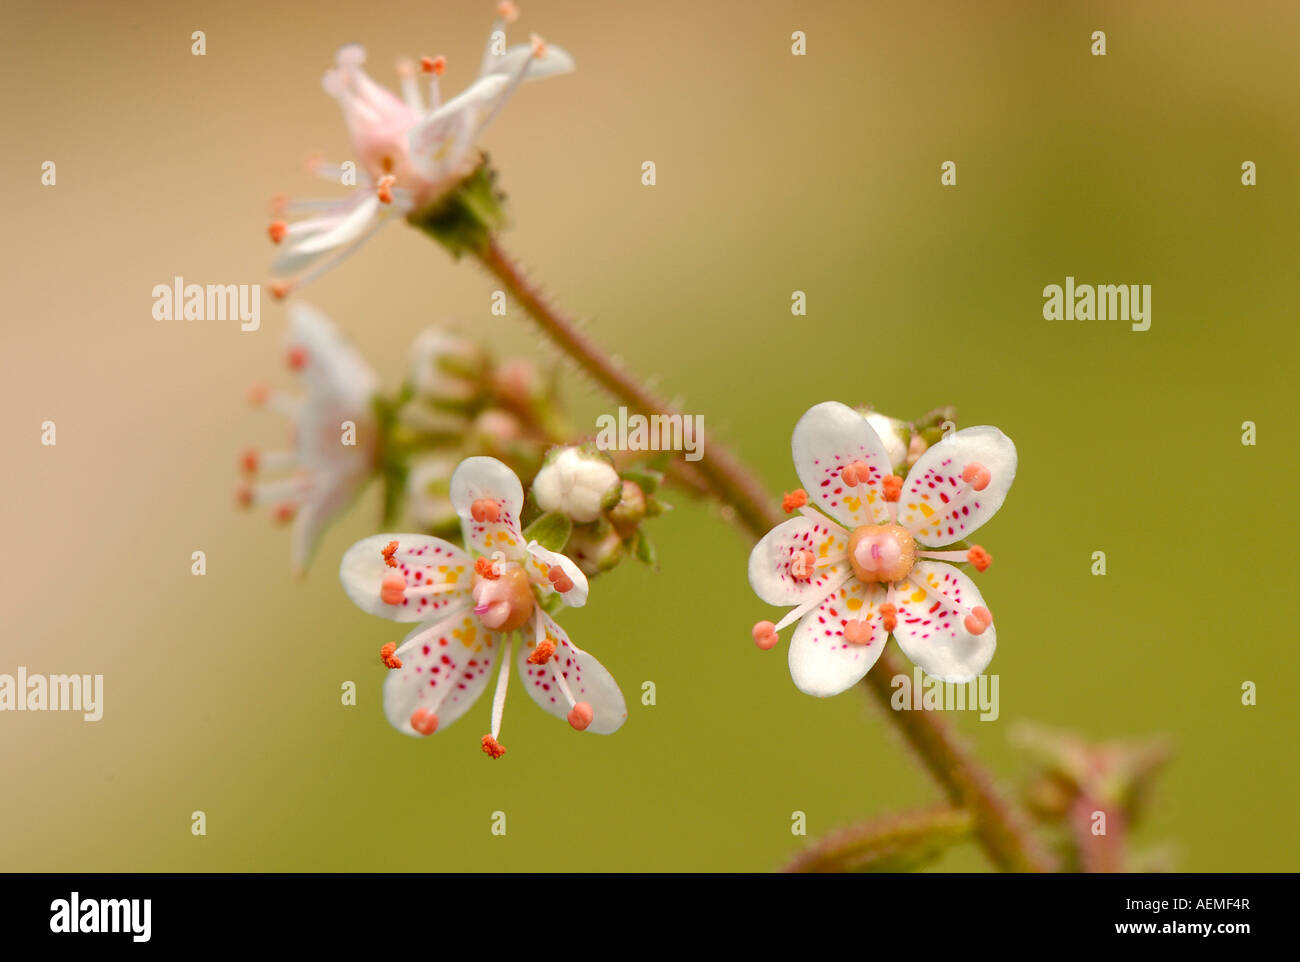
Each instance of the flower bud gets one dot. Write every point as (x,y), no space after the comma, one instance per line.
(576,482)
(595,548)
(517,381)
(630,510)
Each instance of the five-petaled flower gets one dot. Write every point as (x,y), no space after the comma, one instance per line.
(875,569)
(334,433)
(470,603)
(410,155)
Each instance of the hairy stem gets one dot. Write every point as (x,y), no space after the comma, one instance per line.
(1000,830)
(1000,826)
(888,843)
(720,471)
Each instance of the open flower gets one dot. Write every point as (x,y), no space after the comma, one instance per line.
(334,433)
(872,568)
(410,155)
(470,604)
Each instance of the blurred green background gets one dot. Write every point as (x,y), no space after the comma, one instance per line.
(775,173)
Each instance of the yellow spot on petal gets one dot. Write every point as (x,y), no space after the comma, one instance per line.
(853,604)
(918,595)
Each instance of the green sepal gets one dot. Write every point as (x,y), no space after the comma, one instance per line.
(465,220)
(551,531)
(647,479)
(644,550)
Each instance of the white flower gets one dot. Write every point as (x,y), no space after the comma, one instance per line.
(469,605)
(410,155)
(871,571)
(334,433)
(575,483)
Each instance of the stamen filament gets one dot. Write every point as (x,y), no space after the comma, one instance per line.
(796,613)
(499,699)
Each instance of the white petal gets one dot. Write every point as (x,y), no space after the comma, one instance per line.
(440,127)
(348,228)
(888,430)
(829,438)
(587,679)
(541,562)
(770,562)
(332,366)
(487,478)
(936,505)
(330,493)
(936,639)
(822,662)
(553,62)
(445,672)
(421,560)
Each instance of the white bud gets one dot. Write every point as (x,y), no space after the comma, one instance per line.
(891,435)
(575,484)
(428,490)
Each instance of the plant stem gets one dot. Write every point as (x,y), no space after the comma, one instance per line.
(723,474)
(1097,853)
(999,828)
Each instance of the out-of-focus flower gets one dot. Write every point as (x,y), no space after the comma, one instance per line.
(872,568)
(577,483)
(470,604)
(411,155)
(334,433)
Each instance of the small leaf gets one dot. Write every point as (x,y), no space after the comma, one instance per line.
(551,531)
(645,479)
(644,549)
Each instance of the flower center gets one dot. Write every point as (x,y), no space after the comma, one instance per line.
(505,602)
(881,552)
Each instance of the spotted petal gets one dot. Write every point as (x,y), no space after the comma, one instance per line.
(443,671)
(586,677)
(487,478)
(778,570)
(822,661)
(540,562)
(421,560)
(936,505)
(931,630)
(829,438)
